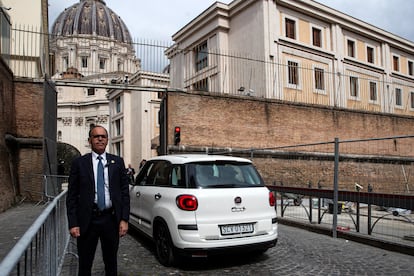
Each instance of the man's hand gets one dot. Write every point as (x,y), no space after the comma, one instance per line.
(74,232)
(123,228)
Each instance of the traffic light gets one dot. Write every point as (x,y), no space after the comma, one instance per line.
(177,133)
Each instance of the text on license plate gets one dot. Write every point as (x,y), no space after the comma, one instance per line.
(236,228)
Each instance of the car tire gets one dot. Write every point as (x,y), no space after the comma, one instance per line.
(163,245)
(297,201)
(259,252)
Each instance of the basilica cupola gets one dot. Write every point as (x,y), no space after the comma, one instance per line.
(91,17)
(89,37)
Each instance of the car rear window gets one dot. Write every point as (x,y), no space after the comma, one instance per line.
(224,174)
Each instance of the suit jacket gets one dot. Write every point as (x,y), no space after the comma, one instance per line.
(81,190)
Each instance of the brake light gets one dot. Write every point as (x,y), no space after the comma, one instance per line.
(272,199)
(187,202)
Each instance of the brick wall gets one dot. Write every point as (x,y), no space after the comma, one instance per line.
(22,158)
(29,125)
(220,121)
(29,108)
(382,177)
(7,126)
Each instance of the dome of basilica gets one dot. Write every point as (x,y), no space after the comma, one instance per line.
(91,17)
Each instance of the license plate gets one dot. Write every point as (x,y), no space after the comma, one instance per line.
(236,229)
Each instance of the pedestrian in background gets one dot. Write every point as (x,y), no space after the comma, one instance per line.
(130,172)
(142,163)
(98,203)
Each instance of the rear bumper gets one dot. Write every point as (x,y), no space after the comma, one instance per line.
(204,252)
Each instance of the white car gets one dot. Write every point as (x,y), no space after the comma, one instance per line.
(196,205)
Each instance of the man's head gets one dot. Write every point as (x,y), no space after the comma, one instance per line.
(98,139)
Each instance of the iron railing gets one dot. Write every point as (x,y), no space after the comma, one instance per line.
(222,71)
(41,250)
(385,219)
(362,186)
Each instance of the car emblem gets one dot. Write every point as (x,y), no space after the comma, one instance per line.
(237,200)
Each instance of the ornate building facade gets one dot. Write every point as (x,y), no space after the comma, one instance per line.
(94,53)
(296,51)
(90,45)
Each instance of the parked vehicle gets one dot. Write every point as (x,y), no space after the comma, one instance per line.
(197,205)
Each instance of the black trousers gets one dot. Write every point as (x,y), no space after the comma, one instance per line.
(103,227)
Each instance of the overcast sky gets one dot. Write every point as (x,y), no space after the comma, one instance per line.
(160,19)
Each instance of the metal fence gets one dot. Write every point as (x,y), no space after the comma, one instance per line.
(344,187)
(382,218)
(302,80)
(363,186)
(41,250)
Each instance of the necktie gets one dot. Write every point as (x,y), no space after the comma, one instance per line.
(100,184)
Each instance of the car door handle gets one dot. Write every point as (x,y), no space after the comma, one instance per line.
(138,194)
(157,196)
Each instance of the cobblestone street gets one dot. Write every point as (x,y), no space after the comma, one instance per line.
(298,252)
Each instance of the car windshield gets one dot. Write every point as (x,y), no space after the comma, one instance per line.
(224,174)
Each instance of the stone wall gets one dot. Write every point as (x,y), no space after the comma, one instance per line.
(215,122)
(21,145)
(30,110)
(7,126)
(382,177)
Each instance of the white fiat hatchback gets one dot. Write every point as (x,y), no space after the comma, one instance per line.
(196,205)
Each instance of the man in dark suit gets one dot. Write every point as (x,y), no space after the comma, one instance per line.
(98,203)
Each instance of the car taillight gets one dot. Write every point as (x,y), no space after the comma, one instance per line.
(187,202)
(272,199)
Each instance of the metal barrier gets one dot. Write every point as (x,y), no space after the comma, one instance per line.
(41,250)
(380,216)
(240,73)
(54,184)
(334,181)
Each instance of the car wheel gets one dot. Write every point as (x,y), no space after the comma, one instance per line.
(297,201)
(163,245)
(259,252)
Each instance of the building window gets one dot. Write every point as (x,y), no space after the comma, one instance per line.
(351,48)
(91,91)
(396,63)
(59,138)
(91,125)
(293,73)
(118,105)
(410,68)
(118,127)
(117,147)
(319,79)
(316,37)
(353,84)
(412,100)
(84,62)
(65,61)
(370,54)
(201,85)
(102,62)
(373,91)
(290,28)
(398,96)
(201,56)
(160,95)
